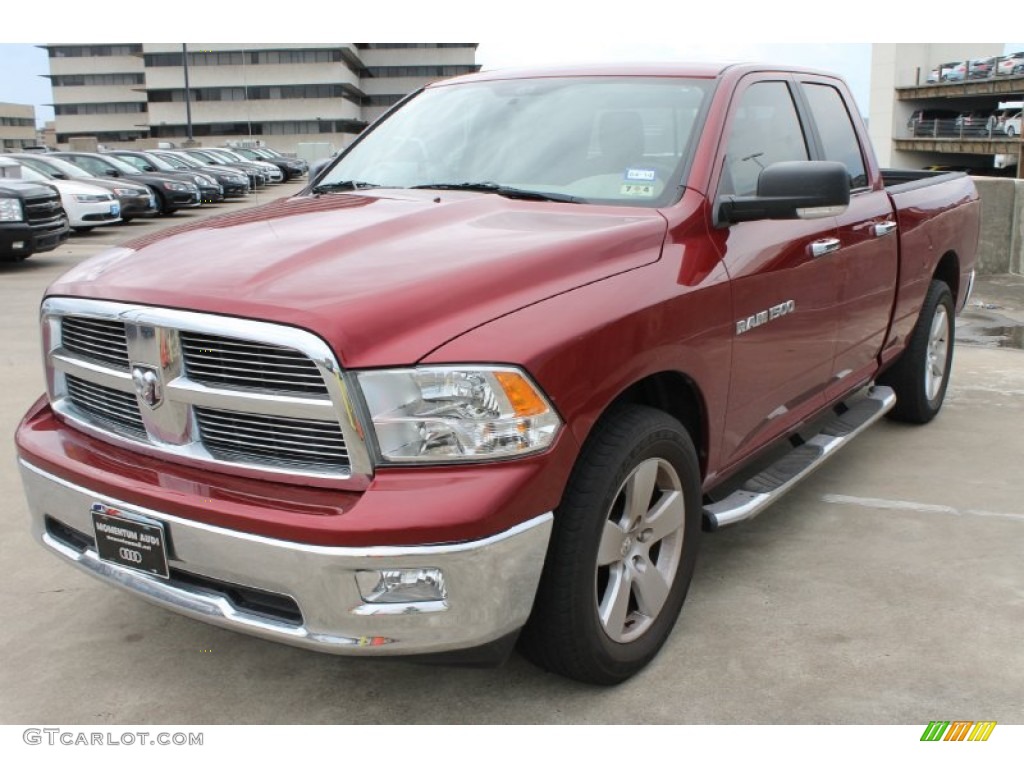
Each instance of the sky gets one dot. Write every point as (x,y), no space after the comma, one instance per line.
(523,33)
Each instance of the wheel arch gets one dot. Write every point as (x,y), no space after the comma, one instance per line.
(678,395)
(948,271)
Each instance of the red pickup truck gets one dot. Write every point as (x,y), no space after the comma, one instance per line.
(488,377)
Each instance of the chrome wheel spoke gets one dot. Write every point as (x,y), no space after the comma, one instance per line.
(614,607)
(665,518)
(639,489)
(651,590)
(610,549)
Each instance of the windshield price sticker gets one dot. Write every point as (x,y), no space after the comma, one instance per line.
(130,541)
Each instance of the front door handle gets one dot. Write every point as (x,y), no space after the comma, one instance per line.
(821,247)
(885,228)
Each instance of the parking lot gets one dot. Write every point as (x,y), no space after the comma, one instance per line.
(887,589)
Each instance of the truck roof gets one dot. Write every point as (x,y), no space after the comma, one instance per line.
(703,69)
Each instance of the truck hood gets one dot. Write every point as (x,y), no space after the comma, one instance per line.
(384,276)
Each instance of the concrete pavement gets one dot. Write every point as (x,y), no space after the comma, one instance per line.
(887,589)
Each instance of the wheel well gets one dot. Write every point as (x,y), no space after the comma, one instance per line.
(678,396)
(948,272)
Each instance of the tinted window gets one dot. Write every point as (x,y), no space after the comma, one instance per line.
(836,131)
(765,129)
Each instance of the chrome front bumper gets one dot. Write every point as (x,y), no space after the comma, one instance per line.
(490,583)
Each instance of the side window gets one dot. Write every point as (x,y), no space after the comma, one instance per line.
(138,162)
(91,165)
(836,131)
(765,129)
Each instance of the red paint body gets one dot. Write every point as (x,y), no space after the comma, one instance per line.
(588,299)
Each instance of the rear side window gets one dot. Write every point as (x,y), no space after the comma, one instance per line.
(765,129)
(835,128)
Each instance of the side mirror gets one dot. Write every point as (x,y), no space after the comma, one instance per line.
(112,172)
(799,189)
(149,168)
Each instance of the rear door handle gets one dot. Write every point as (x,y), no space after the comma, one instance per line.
(821,247)
(885,228)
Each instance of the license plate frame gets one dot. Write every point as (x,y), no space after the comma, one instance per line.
(130,540)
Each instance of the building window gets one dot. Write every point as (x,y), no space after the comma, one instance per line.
(443,70)
(115,78)
(110,108)
(83,51)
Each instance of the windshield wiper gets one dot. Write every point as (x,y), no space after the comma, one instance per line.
(341,186)
(500,189)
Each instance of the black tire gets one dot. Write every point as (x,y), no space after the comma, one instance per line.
(574,629)
(82,230)
(929,355)
(163,205)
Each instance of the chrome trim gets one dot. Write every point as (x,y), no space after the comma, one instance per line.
(490,582)
(153,335)
(823,247)
(745,504)
(970,290)
(885,228)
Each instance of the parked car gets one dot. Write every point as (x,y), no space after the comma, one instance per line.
(1013,64)
(257,176)
(136,200)
(1011,126)
(290,167)
(932,122)
(233,181)
(272,172)
(32,219)
(941,72)
(952,72)
(172,194)
(491,396)
(86,205)
(979,69)
(974,123)
(209,190)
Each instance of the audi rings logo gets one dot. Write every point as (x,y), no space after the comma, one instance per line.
(130,555)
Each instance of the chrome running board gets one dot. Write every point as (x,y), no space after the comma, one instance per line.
(773,483)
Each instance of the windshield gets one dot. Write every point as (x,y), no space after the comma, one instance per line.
(159,163)
(31,174)
(51,164)
(208,159)
(622,141)
(122,166)
(178,162)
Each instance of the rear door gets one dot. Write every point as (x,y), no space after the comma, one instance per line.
(866,261)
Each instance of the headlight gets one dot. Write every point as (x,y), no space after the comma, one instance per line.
(176,186)
(205,181)
(130,192)
(93,198)
(10,210)
(444,414)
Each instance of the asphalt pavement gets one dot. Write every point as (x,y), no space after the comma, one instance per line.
(887,589)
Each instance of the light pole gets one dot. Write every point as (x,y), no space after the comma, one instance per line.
(188,97)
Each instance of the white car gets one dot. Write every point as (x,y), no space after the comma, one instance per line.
(1011,126)
(271,171)
(86,205)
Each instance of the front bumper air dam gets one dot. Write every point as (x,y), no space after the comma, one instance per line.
(490,583)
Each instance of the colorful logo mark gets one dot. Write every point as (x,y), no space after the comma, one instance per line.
(958,730)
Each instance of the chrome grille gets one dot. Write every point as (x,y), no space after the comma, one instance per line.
(99,340)
(262,439)
(118,409)
(245,396)
(221,361)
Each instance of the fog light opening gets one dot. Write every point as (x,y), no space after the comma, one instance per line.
(402,585)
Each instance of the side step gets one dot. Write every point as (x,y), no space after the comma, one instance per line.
(771,484)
